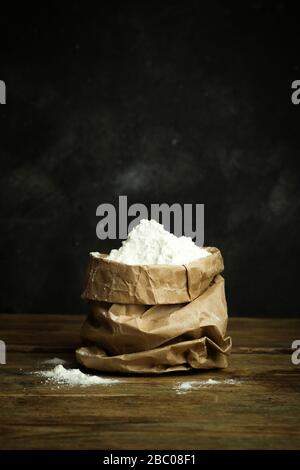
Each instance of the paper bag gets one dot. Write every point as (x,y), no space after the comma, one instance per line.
(114,282)
(158,338)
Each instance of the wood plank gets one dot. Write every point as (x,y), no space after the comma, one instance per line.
(263,334)
(259,410)
(62,333)
(40,332)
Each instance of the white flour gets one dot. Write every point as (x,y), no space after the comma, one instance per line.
(55,361)
(60,375)
(150,243)
(184,387)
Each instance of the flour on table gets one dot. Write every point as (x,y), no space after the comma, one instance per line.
(184,387)
(149,243)
(59,375)
(55,361)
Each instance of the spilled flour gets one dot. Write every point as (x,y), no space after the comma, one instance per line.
(184,387)
(59,375)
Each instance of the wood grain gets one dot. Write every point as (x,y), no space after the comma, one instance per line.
(260,409)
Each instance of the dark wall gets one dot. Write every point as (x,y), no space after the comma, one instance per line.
(163,102)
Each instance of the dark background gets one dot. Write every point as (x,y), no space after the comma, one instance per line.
(185,102)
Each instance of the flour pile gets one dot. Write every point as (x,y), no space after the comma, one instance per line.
(60,375)
(150,243)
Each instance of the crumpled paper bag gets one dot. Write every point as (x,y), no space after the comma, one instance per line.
(114,282)
(156,339)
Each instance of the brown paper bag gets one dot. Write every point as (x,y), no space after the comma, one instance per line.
(160,338)
(114,282)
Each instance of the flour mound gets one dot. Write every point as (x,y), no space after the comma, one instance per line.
(60,375)
(150,243)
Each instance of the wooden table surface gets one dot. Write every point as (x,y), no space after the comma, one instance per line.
(255,403)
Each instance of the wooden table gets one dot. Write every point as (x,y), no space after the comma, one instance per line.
(255,403)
